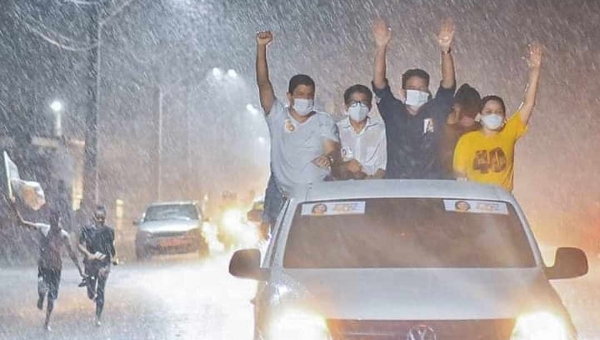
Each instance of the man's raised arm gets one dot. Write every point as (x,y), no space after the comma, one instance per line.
(382,34)
(20,221)
(265,88)
(445,38)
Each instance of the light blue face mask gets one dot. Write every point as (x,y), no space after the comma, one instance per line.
(416,98)
(304,106)
(358,112)
(492,121)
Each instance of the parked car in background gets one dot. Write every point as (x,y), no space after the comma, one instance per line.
(416,260)
(171,227)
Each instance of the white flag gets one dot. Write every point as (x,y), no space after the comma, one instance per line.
(30,192)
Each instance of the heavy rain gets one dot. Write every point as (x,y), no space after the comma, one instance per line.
(132,104)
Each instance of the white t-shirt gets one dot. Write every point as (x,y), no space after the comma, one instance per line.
(368,146)
(295,145)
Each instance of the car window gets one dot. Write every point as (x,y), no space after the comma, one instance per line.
(407,233)
(171,212)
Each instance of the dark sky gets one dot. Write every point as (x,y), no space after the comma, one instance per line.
(152,43)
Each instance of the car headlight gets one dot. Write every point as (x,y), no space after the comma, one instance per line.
(298,325)
(232,219)
(540,326)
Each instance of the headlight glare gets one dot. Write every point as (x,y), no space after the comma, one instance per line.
(298,325)
(232,219)
(540,326)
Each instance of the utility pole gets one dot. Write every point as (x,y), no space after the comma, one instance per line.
(160,141)
(191,178)
(90,183)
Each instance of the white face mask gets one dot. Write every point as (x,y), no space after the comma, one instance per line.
(358,112)
(492,121)
(303,106)
(416,98)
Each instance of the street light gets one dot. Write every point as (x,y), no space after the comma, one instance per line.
(162,93)
(217,73)
(250,108)
(57,107)
(232,74)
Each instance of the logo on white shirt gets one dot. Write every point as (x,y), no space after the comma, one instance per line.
(289,126)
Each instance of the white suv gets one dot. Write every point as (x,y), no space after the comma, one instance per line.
(414,260)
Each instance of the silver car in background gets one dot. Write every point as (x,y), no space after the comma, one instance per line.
(171,227)
(406,260)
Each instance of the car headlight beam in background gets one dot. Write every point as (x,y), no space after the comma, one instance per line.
(232,219)
(298,325)
(540,326)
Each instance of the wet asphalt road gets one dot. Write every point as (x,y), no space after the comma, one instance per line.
(172,297)
(183,297)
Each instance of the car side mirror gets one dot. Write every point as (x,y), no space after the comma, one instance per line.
(206,219)
(569,263)
(137,222)
(245,264)
(255,215)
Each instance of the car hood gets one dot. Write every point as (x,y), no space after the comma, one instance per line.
(166,226)
(416,294)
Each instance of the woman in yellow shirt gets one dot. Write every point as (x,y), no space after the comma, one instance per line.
(487,155)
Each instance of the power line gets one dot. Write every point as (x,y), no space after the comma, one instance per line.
(55,42)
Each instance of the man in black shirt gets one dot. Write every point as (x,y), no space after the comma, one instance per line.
(414,123)
(52,239)
(97,243)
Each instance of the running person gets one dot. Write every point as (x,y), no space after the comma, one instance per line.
(97,243)
(52,239)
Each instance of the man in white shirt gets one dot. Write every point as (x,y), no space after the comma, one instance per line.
(304,142)
(364,148)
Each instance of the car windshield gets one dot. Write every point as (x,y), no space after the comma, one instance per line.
(407,233)
(185,212)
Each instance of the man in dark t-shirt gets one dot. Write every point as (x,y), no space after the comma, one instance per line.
(415,122)
(97,243)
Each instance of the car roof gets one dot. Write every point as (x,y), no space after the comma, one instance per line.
(389,188)
(158,204)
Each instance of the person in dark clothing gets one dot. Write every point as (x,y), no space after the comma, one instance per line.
(97,243)
(414,123)
(52,239)
(466,107)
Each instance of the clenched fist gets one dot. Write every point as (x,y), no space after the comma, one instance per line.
(446,35)
(264,38)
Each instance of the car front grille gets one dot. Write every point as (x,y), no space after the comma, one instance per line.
(498,329)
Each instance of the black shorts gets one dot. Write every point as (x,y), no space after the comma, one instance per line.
(51,279)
